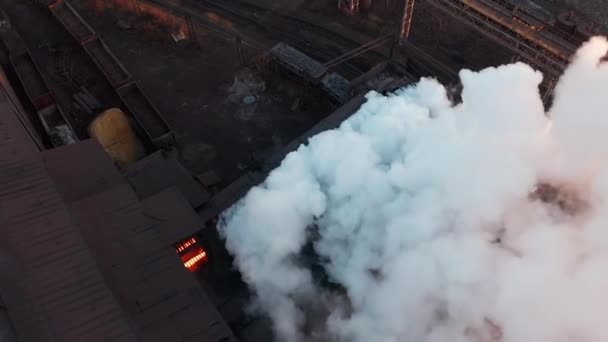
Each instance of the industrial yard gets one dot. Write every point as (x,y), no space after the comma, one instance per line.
(166,112)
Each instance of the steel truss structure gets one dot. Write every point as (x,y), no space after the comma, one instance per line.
(542,46)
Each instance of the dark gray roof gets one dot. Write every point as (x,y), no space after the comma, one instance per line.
(160,171)
(160,295)
(49,280)
(133,246)
(80,257)
(172,215)
(80,170)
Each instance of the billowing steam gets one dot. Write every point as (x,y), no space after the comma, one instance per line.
(423,221)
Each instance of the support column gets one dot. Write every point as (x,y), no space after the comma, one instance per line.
(406,23)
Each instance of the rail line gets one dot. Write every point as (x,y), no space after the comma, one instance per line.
(275,28)
(76,26)
(139,106)
(289,28)
(417,61)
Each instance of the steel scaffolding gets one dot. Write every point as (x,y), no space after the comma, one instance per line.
(526,44)
(543,47)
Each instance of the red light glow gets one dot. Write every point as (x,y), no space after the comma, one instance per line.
(184,245)
(194,262)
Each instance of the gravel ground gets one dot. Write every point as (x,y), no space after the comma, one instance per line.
(596,10)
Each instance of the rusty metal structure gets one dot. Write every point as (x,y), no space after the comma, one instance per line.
(48,111)
(74,23)
(535,41)
(141,109)
(532,39)
(408,15)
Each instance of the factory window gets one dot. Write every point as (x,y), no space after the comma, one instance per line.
(194,261)
(193,255)
(184,245)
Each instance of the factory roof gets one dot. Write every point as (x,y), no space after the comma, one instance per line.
(83,259)
(174,217)
(50,284)
(160,171)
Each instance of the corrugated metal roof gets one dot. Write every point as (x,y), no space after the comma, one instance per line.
(80,260)
(172,216)
(160,171)
(49,280)
(80,170)
(144,270)
(133,246)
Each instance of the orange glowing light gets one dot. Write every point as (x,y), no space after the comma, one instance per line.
(184,245)
(194,262)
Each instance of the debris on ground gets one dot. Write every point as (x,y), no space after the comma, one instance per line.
(246,83)
(178,35)
(84,101)
(249,99)
(123,25)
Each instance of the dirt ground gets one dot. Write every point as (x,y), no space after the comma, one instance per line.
(597,10)
(201,90)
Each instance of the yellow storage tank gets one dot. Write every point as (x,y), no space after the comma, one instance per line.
(112,129)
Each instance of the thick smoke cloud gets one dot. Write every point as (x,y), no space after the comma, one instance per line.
(421,220)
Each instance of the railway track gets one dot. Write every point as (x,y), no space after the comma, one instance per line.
(294,31)
(275,27)
(139,106)
(417,62)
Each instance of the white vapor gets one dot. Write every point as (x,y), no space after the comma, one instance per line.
(483,221)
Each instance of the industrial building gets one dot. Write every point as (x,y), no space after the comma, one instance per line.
(128,126)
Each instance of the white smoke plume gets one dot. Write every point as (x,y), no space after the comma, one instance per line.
(482,221)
